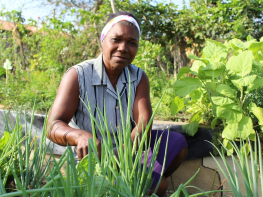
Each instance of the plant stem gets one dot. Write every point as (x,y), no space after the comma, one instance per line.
(241,97)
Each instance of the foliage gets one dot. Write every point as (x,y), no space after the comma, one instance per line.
(222,80)
(26,87)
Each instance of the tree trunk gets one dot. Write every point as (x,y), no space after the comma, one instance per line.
(183,56)
(96,8)
(176,57)
(20,44)
(113,6)
(160,64)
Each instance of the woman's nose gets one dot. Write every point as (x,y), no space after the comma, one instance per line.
(122,47)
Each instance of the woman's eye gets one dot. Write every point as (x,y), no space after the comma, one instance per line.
(134,43)
(116,39)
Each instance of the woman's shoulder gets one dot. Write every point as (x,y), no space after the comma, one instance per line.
(84,64)
(135,70)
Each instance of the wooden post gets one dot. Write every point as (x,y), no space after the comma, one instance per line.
(113,6)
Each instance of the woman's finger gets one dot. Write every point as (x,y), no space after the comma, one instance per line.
(79,153)
(85,150)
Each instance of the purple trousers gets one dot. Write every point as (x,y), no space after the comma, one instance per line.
(176,143)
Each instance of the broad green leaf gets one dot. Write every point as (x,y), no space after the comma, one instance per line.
(7,65)
(176,105)
(240,64)
(191,128)
(215,66)
(231,131)
(257,83)
(248,43)
(245,127)
(249,38)
(191,56)
(257,49)
(246,81)
(211,86)
(183,71)
(226,90)
(196,69)
(196,65)
(242,129)
(215,73)
(257,111)
(232,113)
(233,41)
(214,69)
(213,47)
(218,57)
(228,146)
(196,95)
(196,117)
(213,123)
(4,139)
(221,101)
(238,46)
(187,85)
(261,39)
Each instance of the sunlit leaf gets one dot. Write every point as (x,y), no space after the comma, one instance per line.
(183,71)
(241,64)
(226,90)
(257,83)
(257,111)
(221,101)
(191,128)
(187,85)
(232,113)
(246,81)
(176,105)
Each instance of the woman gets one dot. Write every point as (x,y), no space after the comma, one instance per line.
(99,80)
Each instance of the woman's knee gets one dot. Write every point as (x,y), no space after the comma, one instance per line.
(183,154)
(161,189)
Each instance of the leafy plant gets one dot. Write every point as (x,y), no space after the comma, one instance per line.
(222,79)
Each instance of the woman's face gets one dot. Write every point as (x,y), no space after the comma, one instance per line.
(120,46)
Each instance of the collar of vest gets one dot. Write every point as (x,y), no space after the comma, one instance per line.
(99,75)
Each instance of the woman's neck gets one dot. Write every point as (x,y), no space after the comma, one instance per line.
(113,76)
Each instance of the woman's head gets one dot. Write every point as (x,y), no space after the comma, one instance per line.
(122,17)
(120,41)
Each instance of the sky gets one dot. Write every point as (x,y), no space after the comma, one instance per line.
(35,10)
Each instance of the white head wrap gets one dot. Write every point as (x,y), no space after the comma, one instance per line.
(115,20)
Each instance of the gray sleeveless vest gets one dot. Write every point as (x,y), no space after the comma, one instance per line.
(95,86)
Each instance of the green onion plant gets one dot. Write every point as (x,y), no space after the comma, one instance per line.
(251,175)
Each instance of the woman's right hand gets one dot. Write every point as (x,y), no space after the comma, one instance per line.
(82,147)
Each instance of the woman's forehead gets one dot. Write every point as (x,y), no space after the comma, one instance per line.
(122,29)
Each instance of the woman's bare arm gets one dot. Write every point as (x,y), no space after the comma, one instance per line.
(142,110)
(62,111)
